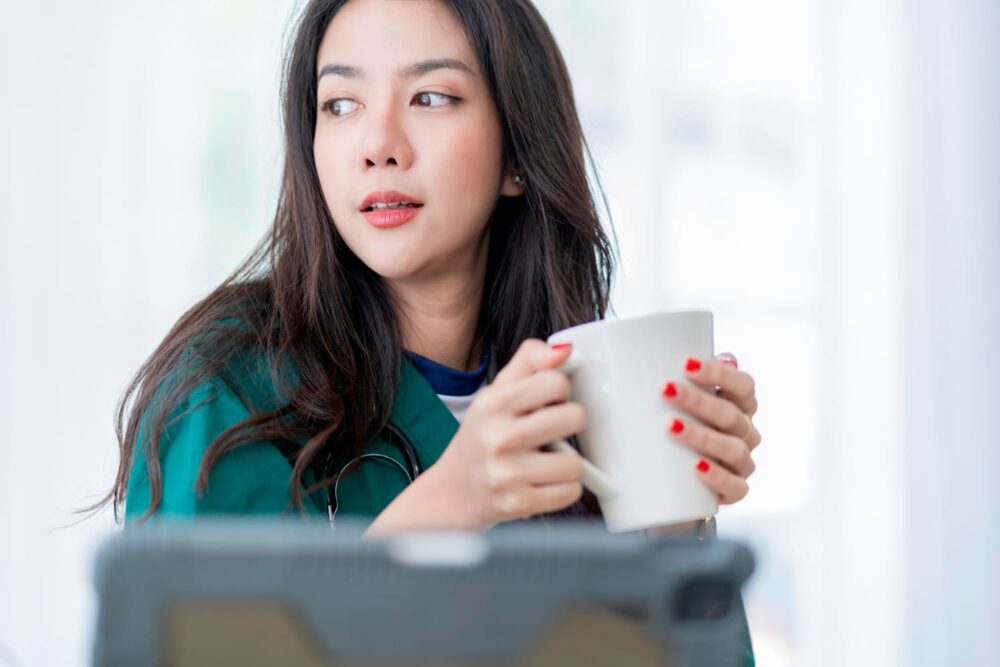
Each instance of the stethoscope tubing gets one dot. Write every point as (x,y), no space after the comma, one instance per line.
(405,446)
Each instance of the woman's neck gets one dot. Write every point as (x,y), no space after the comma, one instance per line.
(454,345)
(443,327)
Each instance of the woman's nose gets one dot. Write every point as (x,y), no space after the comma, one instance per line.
(386,142)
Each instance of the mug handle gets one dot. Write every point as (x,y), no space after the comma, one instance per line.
(593,477)
(598,481)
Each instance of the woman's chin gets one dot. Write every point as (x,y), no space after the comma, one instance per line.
(395,267)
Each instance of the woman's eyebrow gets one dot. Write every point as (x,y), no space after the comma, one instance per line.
(416,69)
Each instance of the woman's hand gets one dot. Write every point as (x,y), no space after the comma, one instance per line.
(730,436)
(494,466)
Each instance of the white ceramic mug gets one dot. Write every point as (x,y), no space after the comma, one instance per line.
(640,474)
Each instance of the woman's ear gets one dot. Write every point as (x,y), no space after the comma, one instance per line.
(513,182)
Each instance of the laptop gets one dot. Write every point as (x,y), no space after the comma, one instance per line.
(235,591)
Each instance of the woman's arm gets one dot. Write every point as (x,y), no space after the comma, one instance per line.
(425,504)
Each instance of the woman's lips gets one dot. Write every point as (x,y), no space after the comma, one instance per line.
(391,217)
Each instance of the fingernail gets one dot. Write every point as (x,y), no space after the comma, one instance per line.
(562,346)
(702,465)
(677,426)
(693,364)
(728,358)
(670,390)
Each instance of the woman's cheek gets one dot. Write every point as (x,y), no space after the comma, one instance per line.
(472,165)
(330,177)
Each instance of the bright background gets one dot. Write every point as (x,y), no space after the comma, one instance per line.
(822,174)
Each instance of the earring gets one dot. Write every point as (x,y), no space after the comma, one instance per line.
(518,180)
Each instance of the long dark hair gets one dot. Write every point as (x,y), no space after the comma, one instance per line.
(302,295)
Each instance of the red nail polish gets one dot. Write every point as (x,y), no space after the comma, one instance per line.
(728,358)
(670,390)
(561,346)
(677,426)
(693,364)
(702,465)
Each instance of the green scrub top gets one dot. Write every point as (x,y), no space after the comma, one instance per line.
(254,478)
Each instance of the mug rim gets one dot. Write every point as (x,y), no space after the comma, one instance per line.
(596,324)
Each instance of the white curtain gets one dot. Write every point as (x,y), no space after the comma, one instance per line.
(951,343)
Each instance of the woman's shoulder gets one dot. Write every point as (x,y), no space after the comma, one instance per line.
(252,478)
(233,353)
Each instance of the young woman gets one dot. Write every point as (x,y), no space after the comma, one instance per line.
(380,353)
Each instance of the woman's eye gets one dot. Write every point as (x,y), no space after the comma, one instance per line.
(336,106)
(427,94)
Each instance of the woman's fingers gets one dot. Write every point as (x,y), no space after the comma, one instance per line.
(546,425)
(730,450)
(727,358)
(552,497)
(738,385)
(731,488)
(718,412)
(547,467)
(544,387)
(531,356)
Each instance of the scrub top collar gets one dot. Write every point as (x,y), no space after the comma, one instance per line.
(420,414)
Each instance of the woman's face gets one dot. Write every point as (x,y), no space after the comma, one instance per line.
(380,127)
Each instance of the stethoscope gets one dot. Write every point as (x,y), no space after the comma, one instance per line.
(403,443)
(396,437)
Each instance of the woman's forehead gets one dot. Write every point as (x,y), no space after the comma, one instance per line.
(383,38)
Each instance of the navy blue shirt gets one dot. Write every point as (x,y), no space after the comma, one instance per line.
(449,381)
